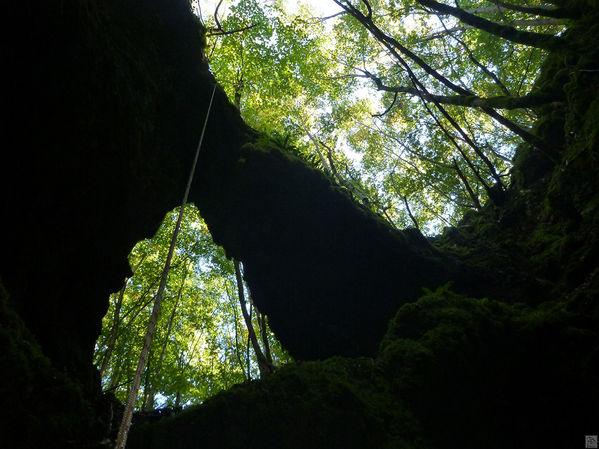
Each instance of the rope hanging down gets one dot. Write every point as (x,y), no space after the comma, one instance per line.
(143,358)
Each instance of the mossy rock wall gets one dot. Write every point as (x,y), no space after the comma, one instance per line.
(452,371)
(102,105)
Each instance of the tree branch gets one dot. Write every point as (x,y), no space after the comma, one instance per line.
(547,11)
(340,13)
(478,64)
(498,102)
(545,41)
(221,32)
(369,8)
(471,193)
(218,25)
(386,111)
(394,46)
(524,22)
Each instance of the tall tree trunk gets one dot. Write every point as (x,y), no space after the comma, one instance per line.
(264,337)
(263,365)
(116,321)
(237,351)
(144,401)
(149,405)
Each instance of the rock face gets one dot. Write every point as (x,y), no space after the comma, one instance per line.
(327,273)
(105,104)
(102,101)
(104,124)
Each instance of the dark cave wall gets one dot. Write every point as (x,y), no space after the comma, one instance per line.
(103,100)
(102,105)
(107,101)
(452,371)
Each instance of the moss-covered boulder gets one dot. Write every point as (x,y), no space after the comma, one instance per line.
(452,371)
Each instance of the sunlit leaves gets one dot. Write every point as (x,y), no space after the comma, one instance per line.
(313,79)
(200,335)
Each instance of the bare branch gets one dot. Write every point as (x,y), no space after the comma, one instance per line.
(499,102)
(340,13)
(518,22)
(477,63)
(394,46)
(471,193)
(369,8)
(391,45)
(221,32)
(218,25)
(389,108)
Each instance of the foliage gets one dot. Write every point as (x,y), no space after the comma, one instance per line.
(364,108)
(204,346)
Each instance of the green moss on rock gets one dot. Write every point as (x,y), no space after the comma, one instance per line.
(452,371)
(493,369)
(42,406)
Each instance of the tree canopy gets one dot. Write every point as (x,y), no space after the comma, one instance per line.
(415,107)
(201,342)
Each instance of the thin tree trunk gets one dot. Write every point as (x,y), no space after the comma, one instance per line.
(264,337)
(237,351)
(263,365)
(144,401)
(116,321)
(114,380)
(114,331)
(405,201)
(248,360)
(152,392)
(119,365)
(143,358)
(177,400)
